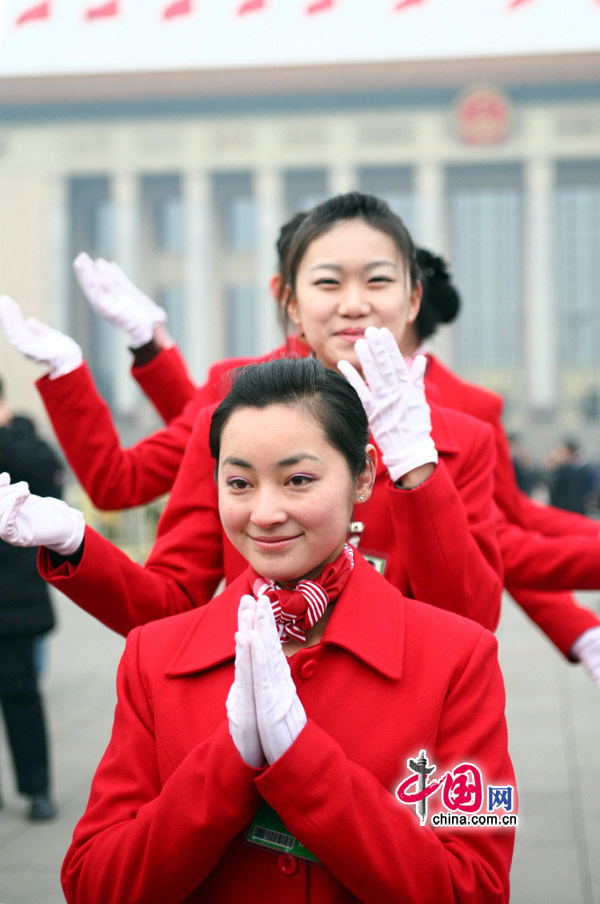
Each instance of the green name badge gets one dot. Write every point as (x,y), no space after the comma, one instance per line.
(378,562)
(268,831)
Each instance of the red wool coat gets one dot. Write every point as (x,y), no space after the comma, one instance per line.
(532,560)
(438,541)
(166,381)
(172,799)
(117,478)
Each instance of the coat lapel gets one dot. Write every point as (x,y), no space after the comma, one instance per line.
(210,639)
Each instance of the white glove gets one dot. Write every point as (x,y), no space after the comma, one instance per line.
(37,341)
(587,649)
(29,520)
(394,400)
(241,708)
(279,712)
(113,296)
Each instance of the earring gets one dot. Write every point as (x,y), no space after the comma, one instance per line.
(362,497)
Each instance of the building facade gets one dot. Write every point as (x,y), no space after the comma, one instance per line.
(187,192)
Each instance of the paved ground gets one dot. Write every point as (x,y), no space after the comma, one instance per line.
(554,725)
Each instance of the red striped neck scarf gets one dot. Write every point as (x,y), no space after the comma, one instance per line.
(297,610)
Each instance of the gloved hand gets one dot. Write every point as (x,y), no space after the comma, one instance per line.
(37,341)
(30,520)
(241,708)
(587,649)
(115,298)
(279,712)
(394,400)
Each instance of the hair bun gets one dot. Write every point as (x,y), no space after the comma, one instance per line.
(439,294)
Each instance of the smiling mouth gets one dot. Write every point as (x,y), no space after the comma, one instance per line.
(273,541)
(351,334)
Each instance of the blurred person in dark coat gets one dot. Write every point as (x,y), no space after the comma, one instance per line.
(25,615)
(571,478)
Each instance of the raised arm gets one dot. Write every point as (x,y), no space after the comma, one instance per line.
(158,366)
(447,530)
(549,563)
(181,573)
(453,518)
(113,477)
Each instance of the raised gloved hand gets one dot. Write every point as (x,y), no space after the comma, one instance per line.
(30,520)
(394,400)
(241,708)
(115,298)
(279,712)
(37,341)
(587,649)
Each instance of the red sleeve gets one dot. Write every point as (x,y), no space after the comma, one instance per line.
(506,490)
(166,382)
(520,509)
(183,569)
(121,593)
(558,615)
(144,840)
(549,563)
(113,477)
(556,522)
(376,846)
(448,530)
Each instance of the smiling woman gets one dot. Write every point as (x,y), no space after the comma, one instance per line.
(305,717)
(272,502)
(352,275)
(434,467)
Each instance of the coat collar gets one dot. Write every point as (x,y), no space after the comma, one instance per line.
(444,428)
(368,622)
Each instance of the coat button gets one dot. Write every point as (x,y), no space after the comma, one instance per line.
(287,864)
(308,668)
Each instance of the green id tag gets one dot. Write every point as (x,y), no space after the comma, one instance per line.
(268,831)
(378,562)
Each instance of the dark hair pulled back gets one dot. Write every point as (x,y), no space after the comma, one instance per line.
(304,382)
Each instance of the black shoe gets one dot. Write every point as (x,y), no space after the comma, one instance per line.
(41,808)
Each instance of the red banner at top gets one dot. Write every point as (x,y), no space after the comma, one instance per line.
(251,6)
(403,4)
(319,6)
(177,8)
(34,13)
(104,11)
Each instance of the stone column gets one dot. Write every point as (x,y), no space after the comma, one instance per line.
(202,318)
(539,297)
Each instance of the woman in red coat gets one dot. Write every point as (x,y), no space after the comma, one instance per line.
(441,486)
(542,547)
(240,766)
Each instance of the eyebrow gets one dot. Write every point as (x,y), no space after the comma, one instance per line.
(338,269)
(284,463)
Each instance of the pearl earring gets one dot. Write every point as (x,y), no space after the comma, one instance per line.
(361,497)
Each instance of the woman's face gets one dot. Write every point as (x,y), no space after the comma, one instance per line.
(285,493)
(351,277)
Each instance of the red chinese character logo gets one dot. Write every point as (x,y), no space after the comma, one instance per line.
(460,793)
